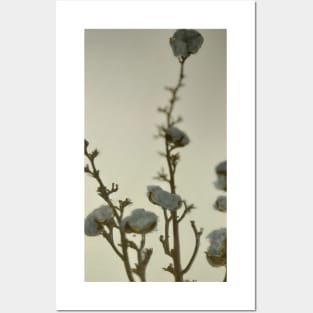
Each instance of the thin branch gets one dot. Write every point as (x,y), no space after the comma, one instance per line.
(175,252)
(104,193)
(165,240)
(197,245)
(174,92)
(187,209)
(111,242)
(143,257)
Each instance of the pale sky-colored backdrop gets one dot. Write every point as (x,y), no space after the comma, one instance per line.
(125,75)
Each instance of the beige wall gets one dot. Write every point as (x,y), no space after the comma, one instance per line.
(125,75)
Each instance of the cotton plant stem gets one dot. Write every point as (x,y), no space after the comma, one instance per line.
(140,259)
(105,196)
(175,253)
(165,240)
(196,248)
(126,257)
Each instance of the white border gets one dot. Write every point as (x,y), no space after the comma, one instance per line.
(239,20)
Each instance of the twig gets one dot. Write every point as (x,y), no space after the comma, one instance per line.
(197,245)
(175,252)
(143,257)
(187,209)
(104,192)
(111,242)
(165,240)
(225,277)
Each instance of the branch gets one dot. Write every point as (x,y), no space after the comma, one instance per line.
(187,209)
(104,193)
(102,190)
(197,245)
(143,257)
(111,242)
(165,241)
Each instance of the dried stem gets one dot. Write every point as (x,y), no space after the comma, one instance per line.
(111,242)
(172,159)
(175,252)
(165,240)
(143,257)
(104,193)
(225,278)
(197,245)
(186,210)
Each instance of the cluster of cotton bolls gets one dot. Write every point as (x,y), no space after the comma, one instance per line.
(217,251)
(140,221)
(106,219)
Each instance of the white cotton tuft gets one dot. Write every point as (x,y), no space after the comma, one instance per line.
(217,241)
(99,216)
(177,136)
(185,42)
(92,228)
(140,221)
(163,198)
(221,204)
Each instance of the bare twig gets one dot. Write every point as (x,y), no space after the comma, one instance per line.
(104,193)
(111,242)
(197,245)
(187,209)
(143,257)
(172,163)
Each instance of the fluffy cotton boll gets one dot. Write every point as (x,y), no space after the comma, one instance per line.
(140,222)
(93,221)
(216,254)
(221,182)
(164,199)
(103,213)
(124,225)
(221,168)
(221,204)
(221,171)
(177,136)
(185,42)
(92,228)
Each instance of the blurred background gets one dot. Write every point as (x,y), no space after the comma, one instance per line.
(125,75)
